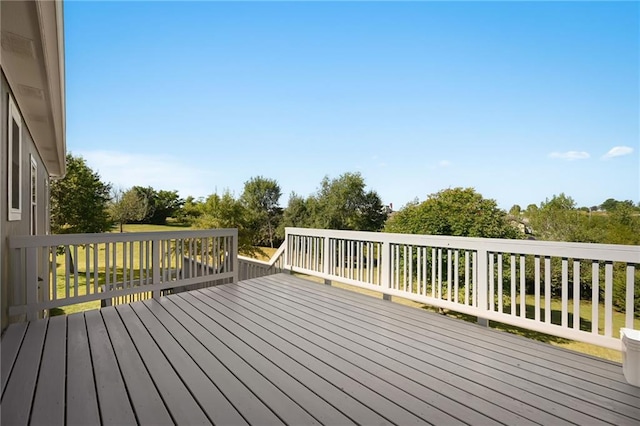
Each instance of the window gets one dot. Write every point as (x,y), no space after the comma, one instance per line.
(15,161)
(34,196)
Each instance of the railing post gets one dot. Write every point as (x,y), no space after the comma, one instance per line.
(326,258)
(155,262)
(234,255)
(385,269)
(31,282)
(483,272)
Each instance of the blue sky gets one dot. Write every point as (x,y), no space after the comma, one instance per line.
(518,100)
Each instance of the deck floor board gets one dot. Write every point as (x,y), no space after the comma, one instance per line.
(284,350)
(145,399)
(439,389)
(507,366)
(48,403)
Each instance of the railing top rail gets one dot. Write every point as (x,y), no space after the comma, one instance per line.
(26,241)
(590,251)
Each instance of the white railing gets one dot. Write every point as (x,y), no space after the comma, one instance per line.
(570,290)
(51,271)
(253,268)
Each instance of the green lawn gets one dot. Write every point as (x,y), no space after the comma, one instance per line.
(151,228)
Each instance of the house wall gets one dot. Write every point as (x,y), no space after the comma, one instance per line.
(22,226)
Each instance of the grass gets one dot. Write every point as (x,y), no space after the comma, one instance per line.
(268,253)
(151,228)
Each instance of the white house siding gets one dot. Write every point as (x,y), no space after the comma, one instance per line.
(22,226)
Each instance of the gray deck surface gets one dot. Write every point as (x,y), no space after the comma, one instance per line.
(280,349)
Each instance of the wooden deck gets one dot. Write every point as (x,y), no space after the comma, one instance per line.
(280,349)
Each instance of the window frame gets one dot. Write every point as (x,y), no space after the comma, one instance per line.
(14,116)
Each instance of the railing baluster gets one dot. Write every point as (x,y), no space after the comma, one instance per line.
(537,288)
(96,250)
(565,292)
(474,272)
(492,290)
(76,265)
(54,272)
(433,272)
(467,272)
(608,299)
(449,275)
(595,294)
(418,269)
(425,251)
(513,284)
(439,273)
(547,289)
(523,288)
(500,289)
(629,306)
(576,294)
(456,276)
(87,270)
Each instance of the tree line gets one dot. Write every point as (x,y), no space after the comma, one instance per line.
(81,202)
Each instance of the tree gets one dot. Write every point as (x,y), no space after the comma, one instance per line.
(458,211)
(515,210)
(160,204)
(557,219)
(190,210)
(261,197)
(79,201)
(227,212)
(342,203)
(127,206)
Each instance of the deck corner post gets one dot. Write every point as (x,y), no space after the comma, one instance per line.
(483,288)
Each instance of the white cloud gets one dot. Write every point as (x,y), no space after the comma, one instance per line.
(160,172)
(618,151)
(570,155)
(444,163)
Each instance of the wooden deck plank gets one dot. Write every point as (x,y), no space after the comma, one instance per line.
(570,403)
(246,364)
(180,403)
(113,400)
(459,334)
(283,350)
(11,342)
(22,381)
(241,396)
(213,402)
(322,399)
(81,400)
(145,399)
(577,361)
(384,396)
(49,404)
(437,389)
